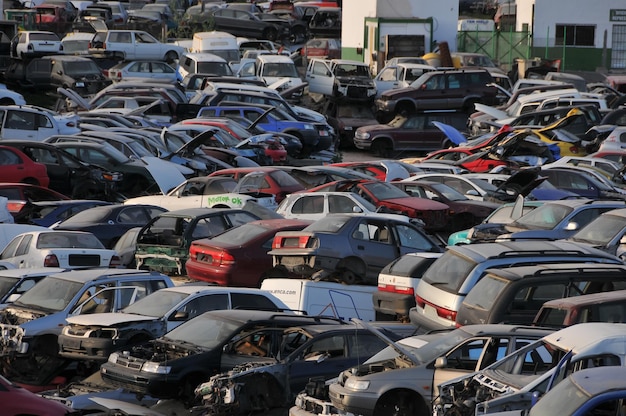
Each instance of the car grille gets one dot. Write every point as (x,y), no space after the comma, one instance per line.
(125,362)
(354,91)
(84,260)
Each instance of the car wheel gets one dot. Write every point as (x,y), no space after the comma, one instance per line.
(298,34)
(6,101)
(382,147)
(270,34)
(351,271)
(400,403)
(170,57)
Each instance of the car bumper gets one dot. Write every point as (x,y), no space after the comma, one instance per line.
(392,303)
(305,265)
(385,106)
(420,321)
(359,403)
(157,385)
(363,144)
(94,349)
(199,271)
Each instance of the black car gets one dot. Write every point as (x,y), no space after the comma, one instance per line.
(172,366)
(68,174)
(78,73)
(307,352)
(248,24)
(347,116)
(110,222)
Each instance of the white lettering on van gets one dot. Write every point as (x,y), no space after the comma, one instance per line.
(282,292)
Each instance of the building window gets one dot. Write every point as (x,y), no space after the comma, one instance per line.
(575,35)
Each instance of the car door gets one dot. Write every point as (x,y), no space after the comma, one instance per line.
(196,305)
(21,255)
(320,78)
(328,354)
(248,345)
(433,93)
(308,207)
(372,241)
(11,166)
(147,46)
(409,240)
(59,171)
(387,79)
(410,134)
(22,125)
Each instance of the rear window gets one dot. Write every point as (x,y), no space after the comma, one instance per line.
(449,272)
(484,294)
(217,68)
(44,36)
(284,179)
(551,317)
(408,266)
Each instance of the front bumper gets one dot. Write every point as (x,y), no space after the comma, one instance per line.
(91,349)
(393,303)
(359,403)
(158,385)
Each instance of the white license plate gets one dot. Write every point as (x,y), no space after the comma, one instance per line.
(348,128)
(430,312)
(80,84)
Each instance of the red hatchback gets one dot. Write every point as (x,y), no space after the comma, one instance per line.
(238,257)
(273,181)
(17,167)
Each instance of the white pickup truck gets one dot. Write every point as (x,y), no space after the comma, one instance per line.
(340,78)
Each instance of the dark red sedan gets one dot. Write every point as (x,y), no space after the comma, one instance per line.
(435,215)
(238,257)
(17,400)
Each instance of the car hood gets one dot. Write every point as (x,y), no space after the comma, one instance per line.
(127,408)
(166,174)
(396,93)
(375,127)
(524,181)
(108,319)
(492,111)
(451,133)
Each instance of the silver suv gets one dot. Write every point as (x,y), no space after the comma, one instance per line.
(31,325)
(445,284)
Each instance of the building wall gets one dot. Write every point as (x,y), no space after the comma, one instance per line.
(445,15)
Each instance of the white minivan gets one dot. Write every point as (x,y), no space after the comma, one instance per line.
(218,43)
(203,63)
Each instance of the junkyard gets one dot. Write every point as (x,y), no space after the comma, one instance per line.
(312,208)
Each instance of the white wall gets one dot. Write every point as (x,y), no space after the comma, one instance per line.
(445,14)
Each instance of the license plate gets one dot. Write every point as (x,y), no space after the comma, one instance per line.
(430,312)
(348,128)
(80,84)
(292,261)
(323,133)
(72,343)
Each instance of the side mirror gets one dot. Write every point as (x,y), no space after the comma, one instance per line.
(622,240)
(13,298)
(472,192)
(571,226)
(180,316)
(441,362)
(356,209)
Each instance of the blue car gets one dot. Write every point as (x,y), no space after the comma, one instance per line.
(47,213)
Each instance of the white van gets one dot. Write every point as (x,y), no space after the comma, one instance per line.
(219,43)
(324,298)
(271,69)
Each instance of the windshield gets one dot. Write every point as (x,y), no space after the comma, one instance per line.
(384,191)
(6,284)
(205,331)
(564,399)
(422,79)
(156,304)
(229,55)
(51,294)
(91,215)
(329,224)
(352,70)
(226,138)
(601,230)
(502,215)
(449,271)
(545,217)
(217,68)
(448,192)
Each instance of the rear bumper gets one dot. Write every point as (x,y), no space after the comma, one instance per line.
(392,303)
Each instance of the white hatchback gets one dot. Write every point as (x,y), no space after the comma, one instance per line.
(30,43)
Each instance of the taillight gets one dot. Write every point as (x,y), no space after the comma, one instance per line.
(115,262)
(211,256)
(441,312)
(396,289)
(105,72)
(302,241)
(51,260)
(15,207)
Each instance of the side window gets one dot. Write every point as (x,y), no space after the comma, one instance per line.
(132,215)
(454,81)
(466,355)
(203,304)
(364,345)
(25,285)
(411,238)
(340,204)
(388,74)
(7,157)
(20,120)
(309,205)
(436,82)
(239,218)
(331,347)
(208,227)
(320,69)
(10,249)
(585,216)
(24,245)
(251,301)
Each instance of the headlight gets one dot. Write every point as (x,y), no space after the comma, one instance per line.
(362,135)
(309,127)
(152,367)
(355,384)
(113,357)
(503,237)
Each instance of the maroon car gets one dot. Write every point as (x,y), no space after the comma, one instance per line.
(17,400)
(238,257)
(389,198)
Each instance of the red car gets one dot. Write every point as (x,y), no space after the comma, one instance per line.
(435,215)
(275,181)
(238,257)
(20,195)
(17,167)
(17,401)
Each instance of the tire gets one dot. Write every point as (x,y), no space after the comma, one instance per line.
(298,34)
(170,57)
(469,107)
(382,147)
(6,101)
(400,403)
(270,34)
(351,271)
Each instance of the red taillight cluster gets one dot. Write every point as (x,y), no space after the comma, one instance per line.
(15,206)
(441,312)
(51,260)
(211,256)
(290,242)
(115,262)
(396,289)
